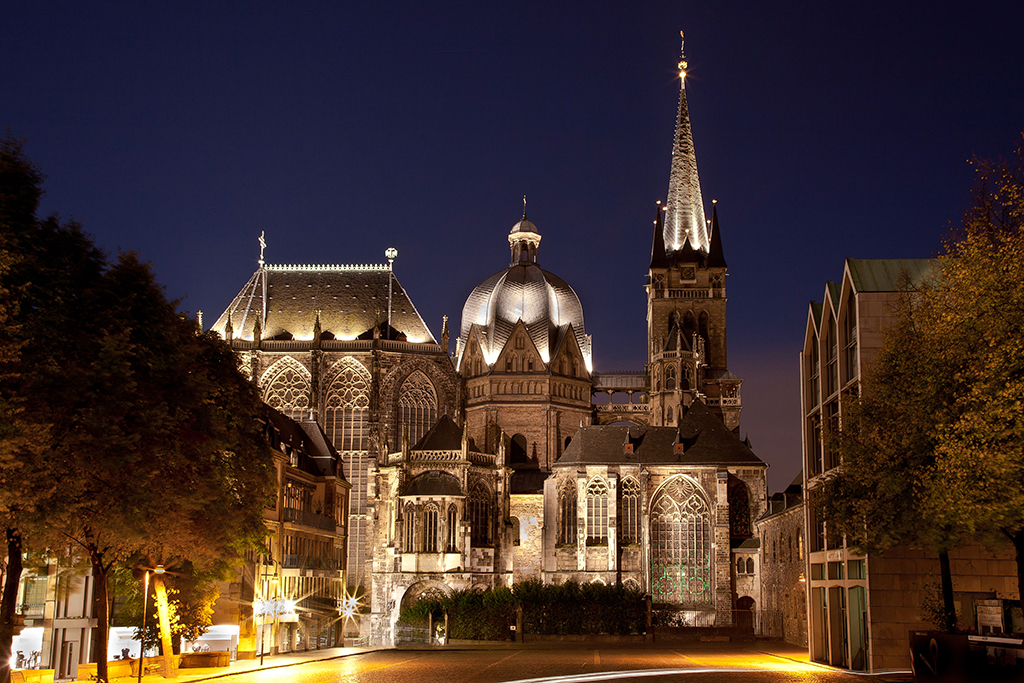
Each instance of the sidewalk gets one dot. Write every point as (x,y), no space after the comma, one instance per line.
(246,665)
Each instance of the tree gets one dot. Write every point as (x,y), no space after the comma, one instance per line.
(153,442)
(933,449)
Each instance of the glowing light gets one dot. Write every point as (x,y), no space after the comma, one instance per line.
(349,606)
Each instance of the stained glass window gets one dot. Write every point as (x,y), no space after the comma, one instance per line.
(480,515)
(286,388)
(681,545)
(597,512)
(417,407)
(567,512)
(629,511)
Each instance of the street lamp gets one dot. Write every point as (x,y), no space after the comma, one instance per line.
(142,633)
(391,253)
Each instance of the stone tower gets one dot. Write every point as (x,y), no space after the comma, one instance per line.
(686,298)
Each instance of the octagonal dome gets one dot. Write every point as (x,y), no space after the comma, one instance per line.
(544,302)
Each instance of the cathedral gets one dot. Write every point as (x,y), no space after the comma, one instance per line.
(494,464)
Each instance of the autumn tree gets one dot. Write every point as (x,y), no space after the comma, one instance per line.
(933,449)
(153,443)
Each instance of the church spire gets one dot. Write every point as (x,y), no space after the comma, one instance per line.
(658,258)
(685,217)
(716,256)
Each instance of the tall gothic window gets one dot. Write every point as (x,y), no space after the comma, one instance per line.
(597,512)
(480,515)
(681,545)
(417,407)
(629,511)
(739,509)
(286,387)
(567,513)
(670,378)
(410,528)
(346,406)
(453,528)
(431,527)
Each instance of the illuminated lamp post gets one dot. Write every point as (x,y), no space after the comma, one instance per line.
(142,633)
(391,253)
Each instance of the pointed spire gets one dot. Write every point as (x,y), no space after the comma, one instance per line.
(716,257)
(444,333)
(658,258)
(685,219)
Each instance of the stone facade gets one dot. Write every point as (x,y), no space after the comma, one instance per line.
(781,558)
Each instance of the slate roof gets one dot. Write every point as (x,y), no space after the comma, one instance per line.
(352,299)
(433,483)
(705,439)
(528,481)
(445,435)
(317,456)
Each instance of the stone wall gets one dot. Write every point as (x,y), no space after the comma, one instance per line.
(781,569)
(899,579)
(527,557)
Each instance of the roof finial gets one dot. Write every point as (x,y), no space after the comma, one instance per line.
(682,55)
(524,207)
(263,245)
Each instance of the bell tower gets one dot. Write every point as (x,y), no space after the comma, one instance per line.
(686,296)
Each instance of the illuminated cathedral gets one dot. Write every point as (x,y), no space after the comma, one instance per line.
(494,464)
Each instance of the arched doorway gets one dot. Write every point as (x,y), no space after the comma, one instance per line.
(745,615)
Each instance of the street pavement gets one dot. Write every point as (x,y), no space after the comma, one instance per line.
(762,660)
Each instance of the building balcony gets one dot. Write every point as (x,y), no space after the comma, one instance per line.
(310,519)
(623,408)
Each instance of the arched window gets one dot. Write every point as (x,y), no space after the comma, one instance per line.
(508,364)
(286,387)
(739,509)
(740,565)
(517,450)
(567,513)
(453,528)
(514,521)
(681,544)
(417,407)
(668,415)
(657,379)
(480,515)
(431,528)
(750,565)
(689,326)
(629,511)
(670,378)
(346,406)
(520,343)
(410,528)
(597,512)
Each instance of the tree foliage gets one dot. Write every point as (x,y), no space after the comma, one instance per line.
(933,449)
(124,429)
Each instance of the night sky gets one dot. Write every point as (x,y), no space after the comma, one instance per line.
(824,130)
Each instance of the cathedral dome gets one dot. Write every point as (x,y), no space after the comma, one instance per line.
(525,292)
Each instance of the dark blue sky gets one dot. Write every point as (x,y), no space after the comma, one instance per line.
(825,130)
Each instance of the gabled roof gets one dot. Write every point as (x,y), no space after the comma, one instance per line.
(888,275)
(316,454)
(445,435)
(705,439)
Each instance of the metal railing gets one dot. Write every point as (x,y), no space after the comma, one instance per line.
(306,518)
